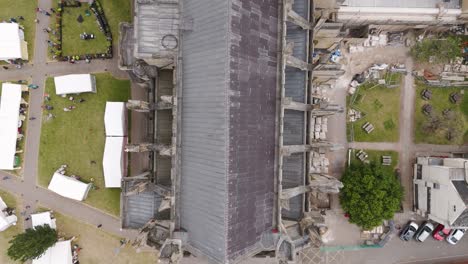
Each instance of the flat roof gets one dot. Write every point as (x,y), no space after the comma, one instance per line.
(455,4)
(114,119)
(113,162)
(9,118)
(69,187)
(75,83)
(10,41)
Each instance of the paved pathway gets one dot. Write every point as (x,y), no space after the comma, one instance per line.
(26,187)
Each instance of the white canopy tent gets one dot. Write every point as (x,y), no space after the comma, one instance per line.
(60,253)
(75,83)
(12,44)
(6,220)
(69,187)
(44,218)
(9,118)
(113,162)
(114,119)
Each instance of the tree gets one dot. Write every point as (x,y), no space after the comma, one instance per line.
(441,50)
(32,243)
(370,194)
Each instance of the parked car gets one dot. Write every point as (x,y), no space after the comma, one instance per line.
(455,235)
(440,232)
(424,232)
(408,232)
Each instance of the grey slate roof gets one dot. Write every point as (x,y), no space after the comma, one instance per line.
(228,125)
(462,189)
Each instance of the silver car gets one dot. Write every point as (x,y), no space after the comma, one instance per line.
(424,232)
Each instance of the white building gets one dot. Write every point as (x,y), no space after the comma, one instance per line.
(115,159)
(441,190)
(6,220)
(44,218)
(69,187)
(12,43)
(61,252)
(422,12)
(75,84)
(115,119)
(10,101)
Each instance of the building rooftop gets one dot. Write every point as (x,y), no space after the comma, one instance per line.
(228,126)
(455,4)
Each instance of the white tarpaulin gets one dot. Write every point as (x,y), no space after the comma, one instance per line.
(12,42)
(60,253)
(9,117)
(113,162)
(6,220)
(69,187)
(74,84)
(114,119)
(43,219)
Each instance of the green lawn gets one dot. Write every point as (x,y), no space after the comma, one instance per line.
(376,155)
(8,234)
(99,246)
(27,9)
(76,138)
(116,11)
(381,107)
(440,101)
(71,30)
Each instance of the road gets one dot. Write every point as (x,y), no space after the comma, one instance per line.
(26,186)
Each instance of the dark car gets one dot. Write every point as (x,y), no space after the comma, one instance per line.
(408,232)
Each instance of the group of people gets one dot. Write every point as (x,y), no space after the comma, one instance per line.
(71,107)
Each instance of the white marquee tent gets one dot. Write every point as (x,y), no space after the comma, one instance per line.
(75,83)
(12,44)
(114,119)
(6,220)
(69,187)
(113,162)
(60,253)
(43,218)
(9,118)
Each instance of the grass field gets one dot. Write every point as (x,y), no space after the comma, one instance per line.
(440,101)
(77,138)
(8,234)
(26,8)
(376,155)
(98,246)
(71,30)
(116,11)
(381,107)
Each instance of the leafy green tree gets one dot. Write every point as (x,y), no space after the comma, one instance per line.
(370,194)
(32,243)
(442,50)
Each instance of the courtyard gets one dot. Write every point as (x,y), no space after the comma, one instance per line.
(379,106)
(77,138)
(447,124)
(115,12)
